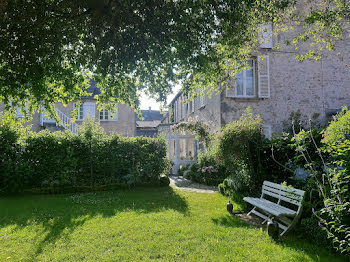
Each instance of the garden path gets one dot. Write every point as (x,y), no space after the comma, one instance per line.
(187,185)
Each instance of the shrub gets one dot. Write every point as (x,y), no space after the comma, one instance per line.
(90,159)
(334,188)
(12,169)
(164,181)
(311,231)
(331,178)
(182,169)
(239,147)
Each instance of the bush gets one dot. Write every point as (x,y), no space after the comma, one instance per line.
(90,159)
(164,181)
(12,169)
(330,177)
(335,187)
(311,231)
(238,148)
(182,169)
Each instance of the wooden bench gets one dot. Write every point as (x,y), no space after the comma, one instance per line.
(282,203)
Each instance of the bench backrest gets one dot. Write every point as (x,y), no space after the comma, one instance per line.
(287,194)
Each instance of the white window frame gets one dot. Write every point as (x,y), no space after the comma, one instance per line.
(201,99)
(245,84)
(109,114)
(80,111)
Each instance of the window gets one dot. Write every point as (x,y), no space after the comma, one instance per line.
(245,84)
(80,113)
(253,82)
(266,40)
(106,115)
(189,105)
(86,109)
(184,108)
(19,112)
(201,99)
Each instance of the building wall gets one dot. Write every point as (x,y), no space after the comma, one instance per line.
(124,125)
(209,110)
(34,122)
(314,87)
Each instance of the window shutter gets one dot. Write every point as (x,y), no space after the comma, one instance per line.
(266,36)
(89,109)
(267,131)
(263,77)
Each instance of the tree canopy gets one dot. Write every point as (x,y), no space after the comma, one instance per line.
(49,48)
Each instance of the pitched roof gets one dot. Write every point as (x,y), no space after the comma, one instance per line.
(150,115)
(92,89)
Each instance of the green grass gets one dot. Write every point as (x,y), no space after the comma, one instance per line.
(142,224)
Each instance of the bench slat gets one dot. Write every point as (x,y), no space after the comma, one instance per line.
(287,189)
(286,199)
(282,192)
(270,207)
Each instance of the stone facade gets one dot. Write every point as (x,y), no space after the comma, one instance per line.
(123,123)
(316,88)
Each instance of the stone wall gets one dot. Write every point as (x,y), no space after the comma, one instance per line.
(313,87)
(124,125)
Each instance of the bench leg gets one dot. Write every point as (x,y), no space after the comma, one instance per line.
(264,221)
(251,211)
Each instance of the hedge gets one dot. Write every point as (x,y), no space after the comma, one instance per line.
(57,161)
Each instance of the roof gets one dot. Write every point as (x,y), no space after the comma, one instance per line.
(150,115)
(93,89)
(151,124)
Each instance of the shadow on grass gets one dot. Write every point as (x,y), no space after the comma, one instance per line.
(306,251)
(293,240)
(230,221)
(61,214)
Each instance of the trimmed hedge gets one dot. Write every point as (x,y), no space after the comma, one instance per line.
(55,162)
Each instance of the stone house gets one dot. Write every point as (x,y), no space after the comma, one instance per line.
(122,122)
(148,126)
(276,85)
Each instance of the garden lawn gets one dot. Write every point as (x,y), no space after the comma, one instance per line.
(139,224)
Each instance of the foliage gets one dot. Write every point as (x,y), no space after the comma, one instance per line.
(61,160)
(206,171)
(339,128)
(238,148)
(240,151)
(310,230)
(12,169)
(323,22)
(153,46)
(164,181)
(201,130)
(331,177)
(182,169)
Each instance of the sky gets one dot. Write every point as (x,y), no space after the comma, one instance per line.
(147,102)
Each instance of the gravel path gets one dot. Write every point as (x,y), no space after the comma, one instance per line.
(187,185)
